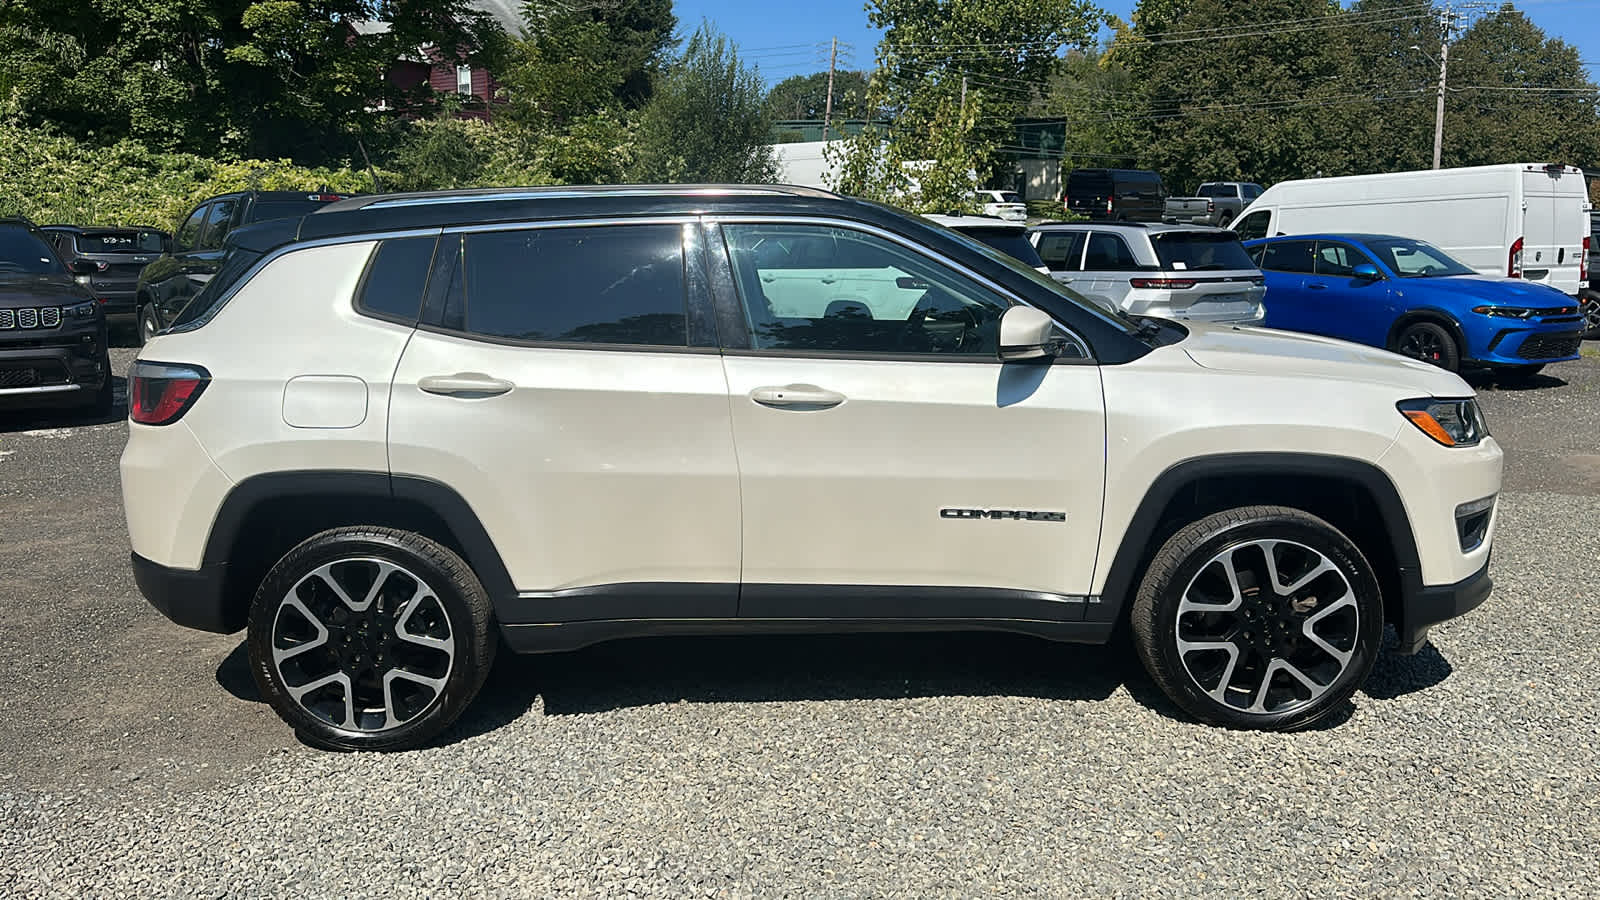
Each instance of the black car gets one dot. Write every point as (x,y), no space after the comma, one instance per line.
(53,349)
(1117,195)
(117,255)
(169,282)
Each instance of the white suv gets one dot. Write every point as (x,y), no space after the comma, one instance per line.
(392,434)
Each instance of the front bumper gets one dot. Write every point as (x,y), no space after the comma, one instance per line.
(1523,347)
(59,370)
(192,598)
(1424,607)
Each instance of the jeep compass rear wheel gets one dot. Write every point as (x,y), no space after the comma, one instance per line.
(370,639)
(1259,617)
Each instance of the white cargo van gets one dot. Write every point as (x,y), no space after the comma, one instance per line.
(1525,220)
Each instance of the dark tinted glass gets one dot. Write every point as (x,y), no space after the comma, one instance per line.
(130,241)
(236,262)
(21,251)
(396,278)
(1108,253)
(1339,260)
(1218,190)
(1089,181)
(216,225)
(285,209)
(1290,256)
(189,231)
(1062,251)
(1012,242)
(605,285)
(1200,251)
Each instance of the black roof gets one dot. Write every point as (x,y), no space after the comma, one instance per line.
(385,213)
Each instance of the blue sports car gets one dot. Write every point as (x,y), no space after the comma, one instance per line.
(1411,297)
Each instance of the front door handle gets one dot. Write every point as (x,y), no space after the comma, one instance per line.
(464,384)
(1316,287)
(797,396)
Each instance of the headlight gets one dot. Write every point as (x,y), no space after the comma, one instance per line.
(1453,423)
(1504,312)
(80,311)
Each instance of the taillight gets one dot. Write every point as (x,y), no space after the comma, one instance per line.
(160,393)
(1211,206)
(1583,262)
(1066,203)
(1108,204)
(1514,263)
(1172,284)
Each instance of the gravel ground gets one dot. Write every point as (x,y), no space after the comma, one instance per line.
(135,757)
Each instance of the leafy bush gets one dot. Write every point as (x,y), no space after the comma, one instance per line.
(49,178)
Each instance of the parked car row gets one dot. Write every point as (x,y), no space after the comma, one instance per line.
(54,349)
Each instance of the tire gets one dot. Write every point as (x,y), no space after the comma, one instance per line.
(302,632)
(1225,220)
(145,325)
(1589,305)
(1429,342)
(1230,657)
(105,399)
(1520,371)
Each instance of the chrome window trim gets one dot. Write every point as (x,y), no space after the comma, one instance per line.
(1004,293)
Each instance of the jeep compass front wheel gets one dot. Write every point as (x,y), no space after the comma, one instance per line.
(1259,617)
(370,638)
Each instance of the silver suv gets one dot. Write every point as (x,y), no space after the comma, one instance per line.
(1167,271)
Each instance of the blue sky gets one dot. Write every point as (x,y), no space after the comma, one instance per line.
(790,38)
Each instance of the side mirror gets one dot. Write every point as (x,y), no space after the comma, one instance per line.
(82,267)
(1026,333)
(1366,272)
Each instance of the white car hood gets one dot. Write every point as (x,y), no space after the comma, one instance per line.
(1270,352)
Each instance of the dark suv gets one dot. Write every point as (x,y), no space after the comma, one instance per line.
(1118,195)
(52,330)
(169,282)
(117,256)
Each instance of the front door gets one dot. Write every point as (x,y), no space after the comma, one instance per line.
(1356,309)
(561,386)
(890,465)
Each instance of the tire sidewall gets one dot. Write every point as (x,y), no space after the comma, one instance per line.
(1452,352)
(1305,530)
(467,614)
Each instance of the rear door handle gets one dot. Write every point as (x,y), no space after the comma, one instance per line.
(797,396)
(1316,287)
(464,384)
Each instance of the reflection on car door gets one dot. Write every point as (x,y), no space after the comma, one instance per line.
(1356,309)
(892,466)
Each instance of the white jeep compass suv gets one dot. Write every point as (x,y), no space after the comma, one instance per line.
(400,430)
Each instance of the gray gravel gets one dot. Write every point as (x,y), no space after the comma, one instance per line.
(135,758)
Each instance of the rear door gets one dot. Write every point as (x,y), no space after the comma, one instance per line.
(199,262)
(1555,222)
(1290,306)
(1108,268)
(567,383)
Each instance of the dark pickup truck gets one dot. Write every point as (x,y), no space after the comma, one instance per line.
(168,283)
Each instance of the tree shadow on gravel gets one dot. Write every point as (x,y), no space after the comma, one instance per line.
(785,668)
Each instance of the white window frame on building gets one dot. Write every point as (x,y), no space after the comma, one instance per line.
(464,80)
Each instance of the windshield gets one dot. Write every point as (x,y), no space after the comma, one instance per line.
(1200,251)
(143,240)
(1011,241)
(21,251)
(1416,259)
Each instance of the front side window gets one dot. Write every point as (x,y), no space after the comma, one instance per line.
(1290,256)
(189,231)
(614,284)
(824,289)
(1109,253)
(1062,251)
(216,225)
(1253,226)
(1339,260)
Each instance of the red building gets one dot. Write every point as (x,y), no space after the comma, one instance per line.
(477,87)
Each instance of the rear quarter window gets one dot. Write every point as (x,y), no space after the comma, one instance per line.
(396,277)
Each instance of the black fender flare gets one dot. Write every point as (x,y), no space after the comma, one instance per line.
(1135,548)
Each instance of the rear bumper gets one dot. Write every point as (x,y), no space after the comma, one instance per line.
(1425,607)
(192,598)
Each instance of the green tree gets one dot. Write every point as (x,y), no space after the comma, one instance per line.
(296,78)
(579,57)
(806,96)
(707,121)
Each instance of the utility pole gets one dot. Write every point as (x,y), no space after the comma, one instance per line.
(1447,22)
(963,95)
(827,112)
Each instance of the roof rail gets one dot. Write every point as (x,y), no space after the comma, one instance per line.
(492,195)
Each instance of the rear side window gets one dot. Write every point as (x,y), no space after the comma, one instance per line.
(1108,253)
(1200,251)
(1290,256)
(216,225)
(619,284)
(396,278)
(1062,251)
